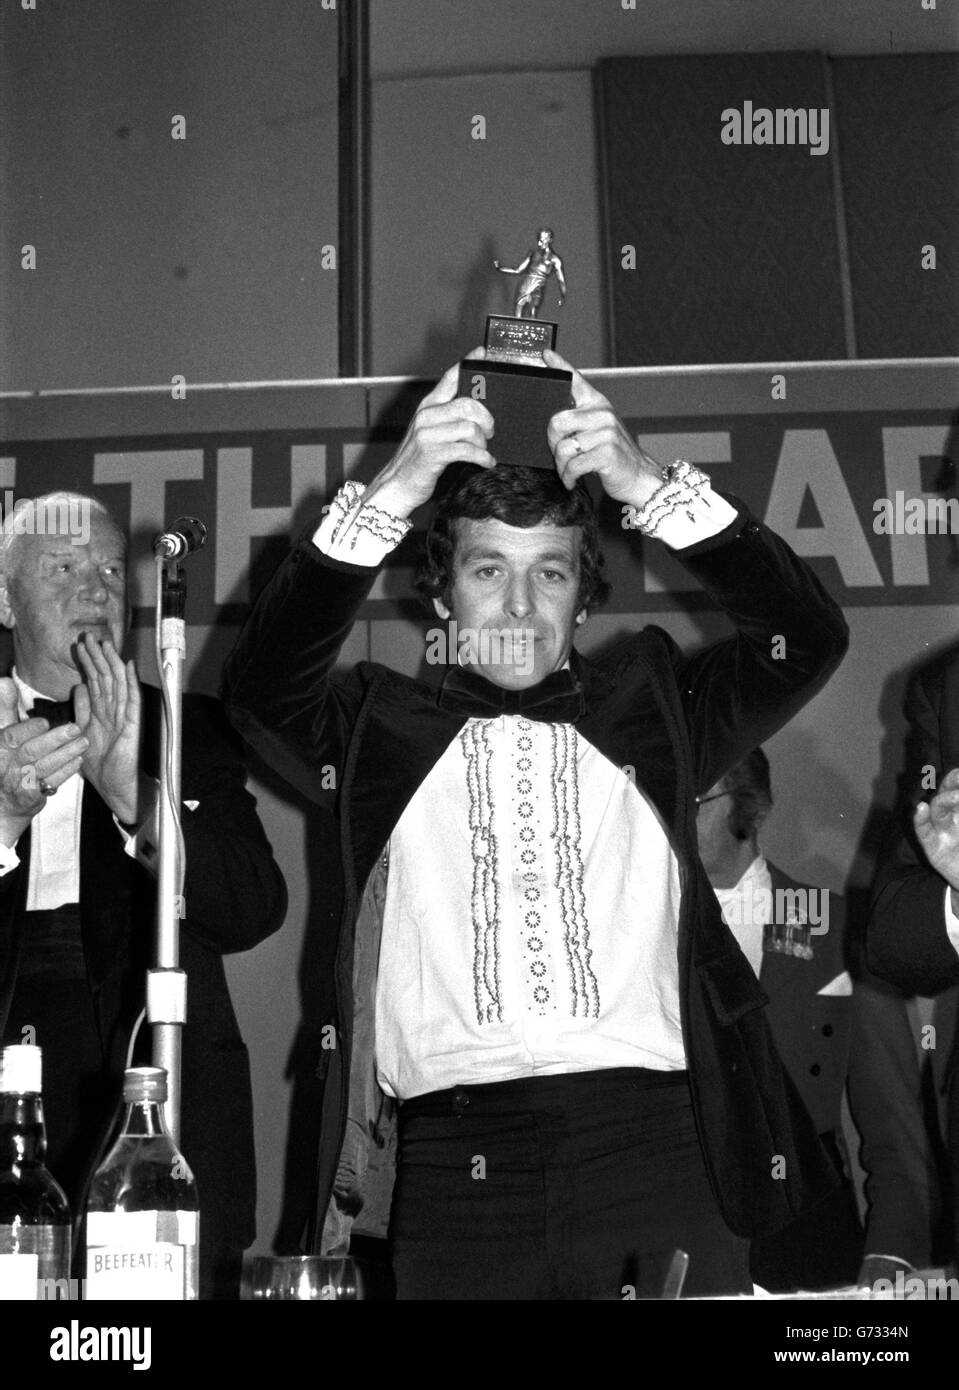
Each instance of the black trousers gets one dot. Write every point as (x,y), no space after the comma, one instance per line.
(578,1186)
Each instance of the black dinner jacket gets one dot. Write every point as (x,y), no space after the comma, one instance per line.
(811,1030)
(235,897)
(906,939)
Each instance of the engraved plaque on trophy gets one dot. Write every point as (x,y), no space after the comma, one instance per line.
(513,381)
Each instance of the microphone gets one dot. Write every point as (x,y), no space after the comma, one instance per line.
(184,537)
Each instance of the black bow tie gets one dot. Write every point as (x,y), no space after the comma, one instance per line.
(558,699)
(55,711)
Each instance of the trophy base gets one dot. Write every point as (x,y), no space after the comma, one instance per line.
(518,340)
(522,399)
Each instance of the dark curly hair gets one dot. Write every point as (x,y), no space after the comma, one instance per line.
(750,794)
(517,497)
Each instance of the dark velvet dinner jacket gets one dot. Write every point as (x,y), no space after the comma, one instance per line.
(679,722)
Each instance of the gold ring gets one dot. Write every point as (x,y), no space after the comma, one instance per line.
(46,789)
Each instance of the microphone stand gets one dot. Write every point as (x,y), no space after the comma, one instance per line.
(167,983)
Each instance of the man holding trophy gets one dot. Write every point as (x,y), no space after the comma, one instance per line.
(542,1016)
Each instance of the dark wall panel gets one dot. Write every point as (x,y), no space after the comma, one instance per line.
(899,138)
(736,244)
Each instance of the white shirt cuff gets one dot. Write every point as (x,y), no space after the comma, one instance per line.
(129,841)
(710,514)
(9,859)
(143,845)
(952,921)
(358,534)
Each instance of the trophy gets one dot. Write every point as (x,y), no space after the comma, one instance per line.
(513,381)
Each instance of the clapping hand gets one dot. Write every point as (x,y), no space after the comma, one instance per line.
(108,711)
(34,761)
(937,828)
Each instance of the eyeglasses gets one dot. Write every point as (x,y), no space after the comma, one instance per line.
(701,800)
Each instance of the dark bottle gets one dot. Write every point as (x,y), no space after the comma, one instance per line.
(35,1225)
(142,1224)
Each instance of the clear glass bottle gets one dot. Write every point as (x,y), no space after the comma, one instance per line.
(142,1221)
(35,1225)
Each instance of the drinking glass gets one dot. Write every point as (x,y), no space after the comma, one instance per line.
(322,1277)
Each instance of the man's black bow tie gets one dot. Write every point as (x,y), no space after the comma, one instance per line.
(56,711)
(558,699)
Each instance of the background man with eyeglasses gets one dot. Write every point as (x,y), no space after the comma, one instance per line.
(792,936)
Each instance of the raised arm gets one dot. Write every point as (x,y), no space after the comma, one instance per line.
(790,635)
(513,270)
(277,682)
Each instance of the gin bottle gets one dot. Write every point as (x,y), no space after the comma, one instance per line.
(142,1222)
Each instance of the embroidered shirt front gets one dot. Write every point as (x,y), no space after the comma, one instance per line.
(531,917)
